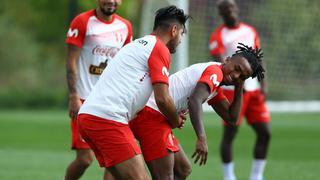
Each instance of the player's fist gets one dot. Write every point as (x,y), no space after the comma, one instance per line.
(74,105)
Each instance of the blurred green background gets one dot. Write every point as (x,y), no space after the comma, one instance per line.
(35,142)
(32,47)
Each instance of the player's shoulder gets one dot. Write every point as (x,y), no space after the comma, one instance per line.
(218,29)
(214,68)
(124,20)
(251,27)
(84,16)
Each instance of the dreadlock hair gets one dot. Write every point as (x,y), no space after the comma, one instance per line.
(254,57)
(168,15)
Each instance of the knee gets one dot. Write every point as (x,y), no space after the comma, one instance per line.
(184,171)
(85,161)
(265,136)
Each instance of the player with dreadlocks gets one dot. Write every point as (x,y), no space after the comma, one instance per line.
(190,88)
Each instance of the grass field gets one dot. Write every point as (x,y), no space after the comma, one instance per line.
(35,145)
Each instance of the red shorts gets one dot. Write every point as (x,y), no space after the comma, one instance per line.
(154,133)
(77,142)
(112,142)
(253,107)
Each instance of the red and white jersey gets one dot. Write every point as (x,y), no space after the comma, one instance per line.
(182,83)
(126,85)
(224,42)
(99,41)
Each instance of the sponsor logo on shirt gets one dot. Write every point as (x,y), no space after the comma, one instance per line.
(104,51)
(73,32)
(165,71)
(97,70)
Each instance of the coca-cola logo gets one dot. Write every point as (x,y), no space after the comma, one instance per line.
(105,51)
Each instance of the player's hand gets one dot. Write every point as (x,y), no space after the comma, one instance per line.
(74,106)
(238,81)
(201,152)
(182,119)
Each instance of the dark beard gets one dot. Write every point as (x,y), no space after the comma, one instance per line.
(107,13)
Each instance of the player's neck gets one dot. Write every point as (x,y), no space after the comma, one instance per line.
(161,35)
(233,26)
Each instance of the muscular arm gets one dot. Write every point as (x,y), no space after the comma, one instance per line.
(230,112)
(197,98)
(166,104)
(73,54)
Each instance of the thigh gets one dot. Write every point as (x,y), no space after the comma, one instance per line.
(130,169)
(154,134)
(162,168)
(181,162)
(112,142)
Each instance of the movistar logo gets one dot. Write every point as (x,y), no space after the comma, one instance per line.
(165,71)
(214,78)
(73,33)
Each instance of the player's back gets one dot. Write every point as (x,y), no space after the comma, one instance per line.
(182,84)
(124,87)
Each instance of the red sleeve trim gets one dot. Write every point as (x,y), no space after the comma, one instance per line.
(216,46)
(78,27)
(159,63)
(212,76)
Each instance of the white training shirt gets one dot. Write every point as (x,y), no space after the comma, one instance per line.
(182,83)
(126,85)
(99,41)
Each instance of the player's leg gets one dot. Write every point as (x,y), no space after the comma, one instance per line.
(263,135)
(228,136)
(157,142)
(259,120)
(84,155)
(162,168)
(107,175)
(114,147)
(229,133)
(130,169)
(182,166)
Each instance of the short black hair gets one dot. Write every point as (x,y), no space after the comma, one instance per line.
(254,57)
(168,15)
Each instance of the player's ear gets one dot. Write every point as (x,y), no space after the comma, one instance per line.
(174,30)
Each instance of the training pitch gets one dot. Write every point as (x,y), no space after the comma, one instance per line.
(34,145)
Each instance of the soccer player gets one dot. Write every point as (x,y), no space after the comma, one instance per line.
(124,88)
(94,37)
(190,88)
(222,43)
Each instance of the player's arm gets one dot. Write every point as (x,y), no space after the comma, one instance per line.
(166,105)
(197,98)
(230,112)
(73,53)
(264,81)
